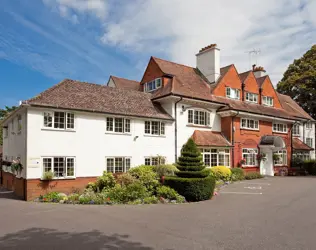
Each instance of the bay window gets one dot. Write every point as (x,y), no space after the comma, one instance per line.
(62,167)
(302,155)
(280,158)
(216,157)
(59,120)
(198,117)
(250,156)
(118,125)
(154,128)
(118,164)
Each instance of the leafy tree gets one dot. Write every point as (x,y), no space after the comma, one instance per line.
(299,81)
(193,181)
(3,114)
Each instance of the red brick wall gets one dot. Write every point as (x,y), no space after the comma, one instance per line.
(268,90)
(251,86)
(12,183)
(36,187)
(231,79)
(226,127)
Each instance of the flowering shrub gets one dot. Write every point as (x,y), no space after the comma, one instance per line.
(221,173)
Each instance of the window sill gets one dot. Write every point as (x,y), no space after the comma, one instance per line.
(251,129)
(198,126)
(276,132)
(250,166)
(117,133)
(59,130)
(162,136)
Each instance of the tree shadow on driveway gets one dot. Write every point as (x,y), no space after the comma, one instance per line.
(44,238)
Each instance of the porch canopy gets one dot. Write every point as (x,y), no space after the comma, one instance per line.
(272,142)
(301,146)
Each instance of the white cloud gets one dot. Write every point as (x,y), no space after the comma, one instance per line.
(181,27)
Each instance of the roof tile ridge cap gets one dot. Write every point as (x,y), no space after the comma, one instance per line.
(65,81)
(123,78)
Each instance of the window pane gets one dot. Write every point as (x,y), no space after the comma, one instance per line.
(70,121)
(190,116)
(47,164)
(147,127)
(162,128)
(196,117)
(202,118)
(48,120)
(228,92)
(59,167)
(147,161)
(118,125)
(110,165)
(227,161)
(119,165)
(109,124)
(158,82)
(154,161)
(127,126)
(221,160)
(70,167)
(127,164)
(155,128)
(214,159)
(59,120)
(207,160)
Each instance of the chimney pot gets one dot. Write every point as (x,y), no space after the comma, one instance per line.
(258,71)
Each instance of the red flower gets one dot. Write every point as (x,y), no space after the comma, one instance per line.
(108,199)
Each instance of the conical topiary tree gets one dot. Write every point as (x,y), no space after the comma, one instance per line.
(193,181)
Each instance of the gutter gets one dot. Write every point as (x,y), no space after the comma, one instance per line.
(176,129)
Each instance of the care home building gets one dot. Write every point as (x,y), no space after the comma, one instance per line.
(77,129)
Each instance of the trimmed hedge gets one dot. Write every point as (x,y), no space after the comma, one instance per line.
(193,189)
(253,175)
(310,167)
(198,174)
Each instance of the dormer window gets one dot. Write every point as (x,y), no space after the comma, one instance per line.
(267,100)
(153,85)
(251,97)
(232,93)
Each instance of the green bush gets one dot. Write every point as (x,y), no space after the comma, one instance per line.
(165,170)
(151,200)
(197,174)
(73,198)
(146,175)
(238,174)
(310,167)
(167,192)
(105,181)
(90,197)
(49,175)
(221,173)
(297,162)
(51,197)
(253,175)
(125,179)
(193,189)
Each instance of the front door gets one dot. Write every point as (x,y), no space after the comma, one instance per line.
(266,167)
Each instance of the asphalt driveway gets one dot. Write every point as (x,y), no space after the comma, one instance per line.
(273,213)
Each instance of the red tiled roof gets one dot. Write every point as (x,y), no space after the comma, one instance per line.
(291,106)
(260,80)
(299,145)
(125,83)
(209,138)
(243,76)
(70,94)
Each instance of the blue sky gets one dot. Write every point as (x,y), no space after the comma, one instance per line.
(45,41)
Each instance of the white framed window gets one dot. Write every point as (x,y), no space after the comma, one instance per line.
(19,123)
(279,128)
(153,85)
(250,156)
(118,125)
(249,124)
(282,158)
(309,125)
(304,156)
(309,142)
(59,120)
(251,97)
(198,117)
(118,164)
(216,157)
(267,100)
(62,167)
(296,130)
(232,93)
(155,160)
(154,128)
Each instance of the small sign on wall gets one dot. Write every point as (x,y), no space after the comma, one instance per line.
(33,162)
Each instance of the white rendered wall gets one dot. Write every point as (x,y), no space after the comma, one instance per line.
(111,83)
(15,144)
(90,143)
(208,63)
(309,133)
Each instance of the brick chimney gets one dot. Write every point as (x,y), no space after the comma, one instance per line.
(208,62)
(258,71)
